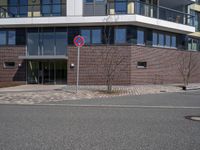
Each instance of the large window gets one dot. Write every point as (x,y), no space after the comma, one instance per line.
(96,36)
(173,41)
(164,40)
(11,38)
(86,34)
(92,36)
(121,6)
(7,37)
(196,19)
(2,37)
(161,39)
(120,35)
(51,7)
(61,41)
(18,8)
(193,44)
(140,37)
(48,41)
(33,42)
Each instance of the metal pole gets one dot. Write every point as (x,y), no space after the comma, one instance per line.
(77,75)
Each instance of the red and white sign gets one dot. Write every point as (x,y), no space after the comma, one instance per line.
(79,41)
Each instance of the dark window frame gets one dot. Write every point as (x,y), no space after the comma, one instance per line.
(120,27)
(7,37)
(157,32)
(124,11)
(6,66)
(90,29)
(141,64)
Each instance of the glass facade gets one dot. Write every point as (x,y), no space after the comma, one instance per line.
(47,41)
(55,40)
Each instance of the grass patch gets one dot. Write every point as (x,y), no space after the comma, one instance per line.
(9,84)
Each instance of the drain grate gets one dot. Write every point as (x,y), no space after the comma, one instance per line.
(193,118)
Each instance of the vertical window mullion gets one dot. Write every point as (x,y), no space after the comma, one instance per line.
(91,36)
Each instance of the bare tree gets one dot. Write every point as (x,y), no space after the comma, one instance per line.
(187,66)
(111,58)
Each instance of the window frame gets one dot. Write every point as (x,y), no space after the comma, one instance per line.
(144,37)
(7,37)
(7,66)
(142,65)
(91,35)
(165,34)
(120,28)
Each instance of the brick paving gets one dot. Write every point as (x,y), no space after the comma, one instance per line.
(35,94)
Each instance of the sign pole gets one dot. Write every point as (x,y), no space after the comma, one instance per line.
(79,42)
(77,73)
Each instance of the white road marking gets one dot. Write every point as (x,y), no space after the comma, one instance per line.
(110,106)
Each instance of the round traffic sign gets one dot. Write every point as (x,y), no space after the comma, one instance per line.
(79,41)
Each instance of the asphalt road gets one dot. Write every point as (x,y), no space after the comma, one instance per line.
(151,122)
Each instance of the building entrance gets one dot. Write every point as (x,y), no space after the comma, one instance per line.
(46,72)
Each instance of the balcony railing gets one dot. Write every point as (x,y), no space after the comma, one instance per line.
(35,10)
(153,11)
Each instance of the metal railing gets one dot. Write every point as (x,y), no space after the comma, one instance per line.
(35,10)
(153,11)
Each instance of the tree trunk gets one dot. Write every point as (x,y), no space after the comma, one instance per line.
(109,88)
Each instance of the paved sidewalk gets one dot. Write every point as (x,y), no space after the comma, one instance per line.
(34,94)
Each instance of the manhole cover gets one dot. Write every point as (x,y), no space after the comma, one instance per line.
(193,118)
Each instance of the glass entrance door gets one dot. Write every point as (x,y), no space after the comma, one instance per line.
(47,72)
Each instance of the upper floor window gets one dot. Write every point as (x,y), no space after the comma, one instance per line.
(18,8)
(161,39)
(47,41)
(196,19)
(92,36)
(140,37)
(51,7)
(120,35)
(164,40)
(121,6)
(3,38)
(96,36)
(11,37)
(7,37)
(86,34)
(193,44)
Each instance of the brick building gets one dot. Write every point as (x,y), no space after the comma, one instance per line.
(36,40)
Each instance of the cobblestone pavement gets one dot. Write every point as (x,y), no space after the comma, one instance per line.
(34,94)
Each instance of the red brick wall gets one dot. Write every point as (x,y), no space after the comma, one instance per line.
(91,68)
(161,66)
(11,54)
